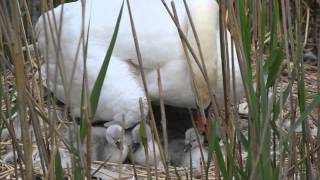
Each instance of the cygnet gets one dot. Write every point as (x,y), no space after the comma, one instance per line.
(108,144)
(138,151)
(192,147)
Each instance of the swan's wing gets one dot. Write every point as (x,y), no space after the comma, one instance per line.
(58,34)
(120,93)
(59,38)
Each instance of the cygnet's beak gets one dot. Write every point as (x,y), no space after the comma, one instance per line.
(187,147)
(135,146)
(118,144)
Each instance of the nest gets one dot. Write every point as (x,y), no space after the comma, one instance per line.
(6,170)
(127,171)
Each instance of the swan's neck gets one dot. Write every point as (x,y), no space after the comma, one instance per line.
(205,16)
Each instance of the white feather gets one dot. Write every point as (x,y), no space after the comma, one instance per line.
(160,46)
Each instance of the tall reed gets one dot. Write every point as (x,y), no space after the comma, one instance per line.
(269,40)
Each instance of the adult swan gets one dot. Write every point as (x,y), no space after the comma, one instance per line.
(59,33)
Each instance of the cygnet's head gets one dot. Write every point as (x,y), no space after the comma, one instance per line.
(136,133)
(191,139)
(136,137)
(115,135)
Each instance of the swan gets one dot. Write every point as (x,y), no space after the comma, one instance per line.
(107,143)
(112,146)
(180,151)
(160,46)
(139,153)
(193,150)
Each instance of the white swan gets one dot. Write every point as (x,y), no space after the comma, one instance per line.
(160,45)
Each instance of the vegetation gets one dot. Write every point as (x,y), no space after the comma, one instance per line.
(270,37)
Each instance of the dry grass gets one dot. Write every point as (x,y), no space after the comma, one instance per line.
(292,154)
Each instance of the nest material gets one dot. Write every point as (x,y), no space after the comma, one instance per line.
(6,170)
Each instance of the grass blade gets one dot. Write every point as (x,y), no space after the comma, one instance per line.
(315,103)
(214,146)
(274,64)
(96,91)
(191,167)
(95,94)
(59,171)
(83,126)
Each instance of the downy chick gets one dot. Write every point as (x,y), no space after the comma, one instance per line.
(109,145)
(192,148)
(138,151)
